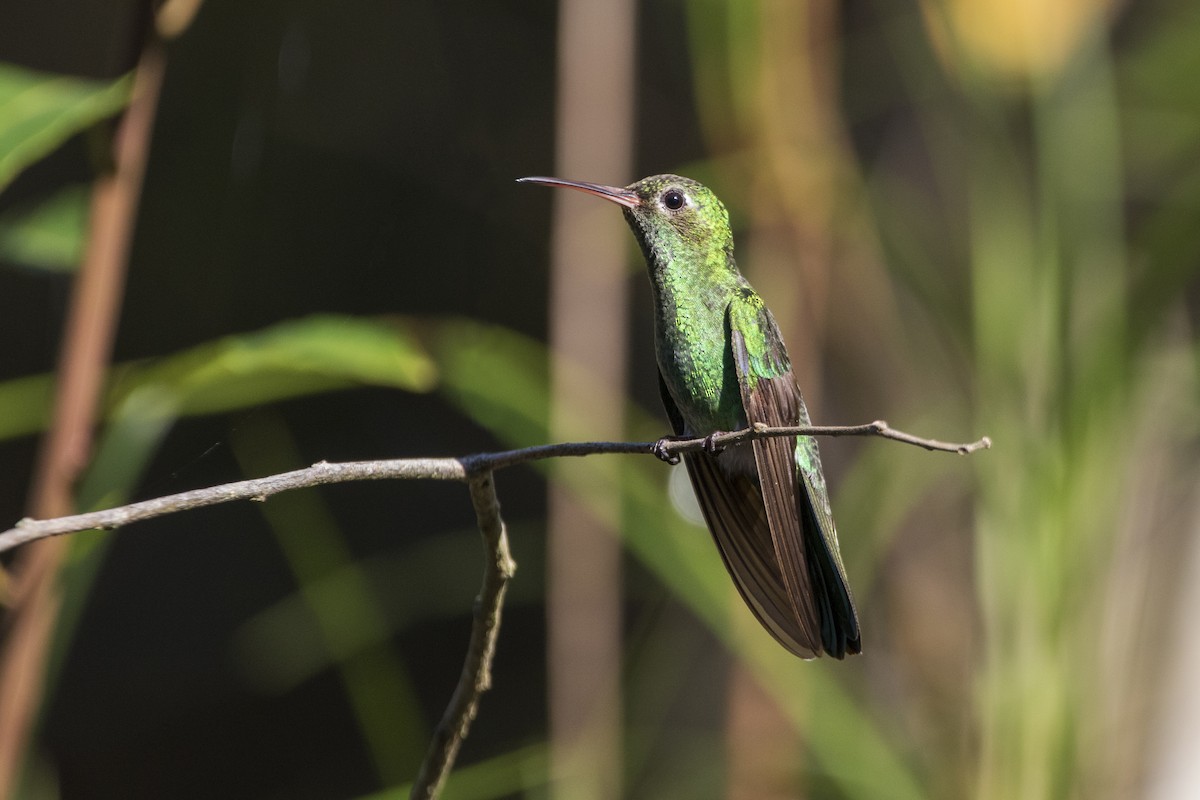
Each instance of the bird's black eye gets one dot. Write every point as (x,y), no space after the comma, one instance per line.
(673,199)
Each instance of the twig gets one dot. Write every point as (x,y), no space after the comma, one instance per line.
(476,675)
(456,469)
(876,428)
(477,471)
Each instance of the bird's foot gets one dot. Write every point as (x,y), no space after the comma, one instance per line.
(661,451)
(711,445)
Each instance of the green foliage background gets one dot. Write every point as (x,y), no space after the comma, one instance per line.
(1005,242)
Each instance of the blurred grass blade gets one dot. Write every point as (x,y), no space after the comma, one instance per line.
(300,357)
(25,405)
(498,377)
(39,111)
(314,354)
(48,235)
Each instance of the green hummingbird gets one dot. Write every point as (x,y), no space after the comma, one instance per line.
(722,366)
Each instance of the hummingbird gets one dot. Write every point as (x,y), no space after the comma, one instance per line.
(722,366)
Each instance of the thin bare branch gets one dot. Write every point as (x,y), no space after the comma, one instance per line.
(254,489)
(476,677)
(459,469)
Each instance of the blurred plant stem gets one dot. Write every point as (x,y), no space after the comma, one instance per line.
(86,346)
(588,322)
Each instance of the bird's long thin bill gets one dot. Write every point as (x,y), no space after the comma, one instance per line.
(613,194)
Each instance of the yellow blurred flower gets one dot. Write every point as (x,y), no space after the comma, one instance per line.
(1009,38)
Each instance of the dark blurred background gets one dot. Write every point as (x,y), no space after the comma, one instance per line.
(969,217)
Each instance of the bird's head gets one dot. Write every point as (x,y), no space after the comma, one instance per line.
(674,218)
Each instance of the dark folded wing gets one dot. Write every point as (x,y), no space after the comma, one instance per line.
(733,508)
(791,482)
(732,505)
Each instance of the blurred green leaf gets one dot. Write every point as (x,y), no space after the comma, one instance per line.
(39,111)
(25,405)
(48,235)
(498,377)
(315,354)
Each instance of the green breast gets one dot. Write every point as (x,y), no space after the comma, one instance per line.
(696,362)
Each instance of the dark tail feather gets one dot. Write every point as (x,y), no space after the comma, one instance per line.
(733,508)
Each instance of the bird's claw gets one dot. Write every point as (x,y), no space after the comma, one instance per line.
(711,446)
(662,453)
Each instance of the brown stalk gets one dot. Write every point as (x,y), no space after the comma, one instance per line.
(86,348)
